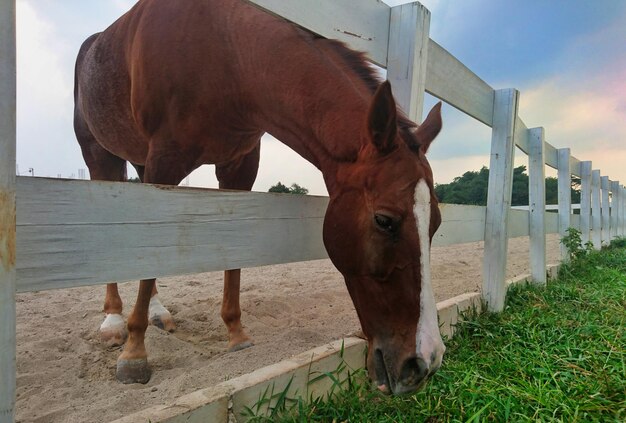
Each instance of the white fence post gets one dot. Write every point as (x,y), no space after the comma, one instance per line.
(407,57)
(615,211)
(499,197)
(7,210)
(622,196)
(585,201)
(537,205)
(606,234)
(596,217)
(565,196)
(622,207)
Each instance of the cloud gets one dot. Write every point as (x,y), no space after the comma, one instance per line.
(124,5)
(584,105)
(460,136)
(591,117)
(44,96)
(610,162)
(445,170)
(42,82)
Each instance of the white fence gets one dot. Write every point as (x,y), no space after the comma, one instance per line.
(73,233)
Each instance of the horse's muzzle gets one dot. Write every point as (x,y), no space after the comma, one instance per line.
(411,376)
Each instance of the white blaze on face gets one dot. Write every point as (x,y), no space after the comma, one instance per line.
(429,346)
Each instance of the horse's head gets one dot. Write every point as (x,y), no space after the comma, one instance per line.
(378,228)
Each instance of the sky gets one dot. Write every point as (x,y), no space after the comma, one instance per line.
(566,57)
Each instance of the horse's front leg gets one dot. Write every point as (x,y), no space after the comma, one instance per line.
(132,364)
(231,312)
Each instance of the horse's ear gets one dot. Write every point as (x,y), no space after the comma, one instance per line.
(429,129)
(381,120)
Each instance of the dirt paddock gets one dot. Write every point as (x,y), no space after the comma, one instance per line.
(66,375)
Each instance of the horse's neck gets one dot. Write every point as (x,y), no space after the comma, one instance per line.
(321,120)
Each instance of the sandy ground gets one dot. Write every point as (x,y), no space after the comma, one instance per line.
(66,375)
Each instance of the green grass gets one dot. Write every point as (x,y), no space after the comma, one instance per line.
(554,355)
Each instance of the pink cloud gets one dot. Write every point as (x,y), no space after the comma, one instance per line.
(584,106)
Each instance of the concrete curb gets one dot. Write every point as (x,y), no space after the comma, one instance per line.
(552,271)
(225,402)
(216,403)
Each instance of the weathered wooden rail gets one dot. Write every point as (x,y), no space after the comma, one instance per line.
(141,231)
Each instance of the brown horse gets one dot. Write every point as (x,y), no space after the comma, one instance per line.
(174,85)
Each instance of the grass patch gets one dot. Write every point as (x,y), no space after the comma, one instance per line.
(556,354)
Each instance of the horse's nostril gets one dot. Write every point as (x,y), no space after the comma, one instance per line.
(381,370)
(413,371)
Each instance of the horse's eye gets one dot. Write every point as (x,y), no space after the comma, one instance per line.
(386,223)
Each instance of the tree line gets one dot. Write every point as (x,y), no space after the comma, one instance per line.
(471,188)
(293,189)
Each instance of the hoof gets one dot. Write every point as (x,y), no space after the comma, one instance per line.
(135,370)
(113,330)
(164,322)
(159,316)
(240,346)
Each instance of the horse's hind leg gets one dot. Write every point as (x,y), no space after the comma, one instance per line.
(239,174)
(113,329)
(104,166)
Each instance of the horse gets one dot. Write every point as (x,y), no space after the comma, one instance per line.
(171,86)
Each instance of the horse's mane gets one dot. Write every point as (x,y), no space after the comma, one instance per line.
(357,61)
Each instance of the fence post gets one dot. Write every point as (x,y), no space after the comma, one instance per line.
(622,207)
(596,217)
(585,201)
(407,57)
(606,225)
(537,205)
(505,106)
(622,196)
(7,210)
(615,211)
(565,195)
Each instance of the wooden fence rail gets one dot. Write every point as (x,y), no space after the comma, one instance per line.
(73,233)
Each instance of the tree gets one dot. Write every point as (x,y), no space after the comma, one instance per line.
(279,188)
(294,189)
(471,188)
(519,196)
(297,189)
